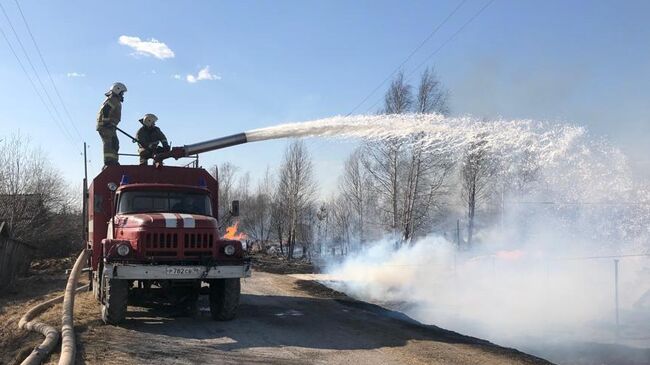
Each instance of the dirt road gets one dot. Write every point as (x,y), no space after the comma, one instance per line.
(282,320)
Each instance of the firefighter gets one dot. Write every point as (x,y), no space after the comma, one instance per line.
(107,120)
(149,136)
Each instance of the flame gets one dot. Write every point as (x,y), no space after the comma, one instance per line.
(510,255)
(231,233)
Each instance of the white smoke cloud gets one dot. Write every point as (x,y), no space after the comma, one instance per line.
(152,47)
(204,74)
(527,297)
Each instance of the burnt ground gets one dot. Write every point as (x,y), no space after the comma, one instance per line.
(278,264)
(283,319)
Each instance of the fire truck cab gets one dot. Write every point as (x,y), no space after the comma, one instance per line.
(156,230)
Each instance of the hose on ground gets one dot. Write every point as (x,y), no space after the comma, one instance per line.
(51,334)
(68,344)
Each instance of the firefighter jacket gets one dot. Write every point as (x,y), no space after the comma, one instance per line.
(110,113)
(150,137)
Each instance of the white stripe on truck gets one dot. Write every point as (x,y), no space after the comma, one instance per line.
(188,221)
(170,220)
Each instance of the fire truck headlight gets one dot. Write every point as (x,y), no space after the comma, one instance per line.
(123,249)
(229,250)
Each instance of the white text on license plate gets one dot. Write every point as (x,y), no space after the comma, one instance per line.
(182,270)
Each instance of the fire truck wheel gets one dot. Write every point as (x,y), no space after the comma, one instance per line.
(116,294)
(224,298)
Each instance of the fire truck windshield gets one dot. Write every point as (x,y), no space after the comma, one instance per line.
(164,202)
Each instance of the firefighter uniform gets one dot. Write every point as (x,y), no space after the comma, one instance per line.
(107,119)
(149,138)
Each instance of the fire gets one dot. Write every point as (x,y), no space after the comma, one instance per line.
(231,233)
(510,255)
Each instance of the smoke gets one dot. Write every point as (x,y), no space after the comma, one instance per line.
(504,295)
(540,272)
(544,296)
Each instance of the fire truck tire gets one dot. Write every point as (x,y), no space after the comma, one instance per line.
(224,298)
(116,295)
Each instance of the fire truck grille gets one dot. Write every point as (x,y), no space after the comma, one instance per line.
(161,244)
(160,240)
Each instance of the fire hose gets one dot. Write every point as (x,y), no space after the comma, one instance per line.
(40,352)
(68,344)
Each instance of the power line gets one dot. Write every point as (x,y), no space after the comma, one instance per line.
(453,36)
(40,55)
(38,78)
(435,30)
(4,35)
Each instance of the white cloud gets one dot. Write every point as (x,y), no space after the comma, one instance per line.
(75,74)
(177,76)
(151,47)
(204,74)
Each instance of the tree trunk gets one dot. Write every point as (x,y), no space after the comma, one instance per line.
(470,214)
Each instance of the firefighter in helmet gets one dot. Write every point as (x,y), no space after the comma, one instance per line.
(108,118)
(149,136)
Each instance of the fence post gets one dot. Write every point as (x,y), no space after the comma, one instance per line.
(458,232)
(616,296)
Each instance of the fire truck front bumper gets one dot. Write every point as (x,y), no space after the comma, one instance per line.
(179,272)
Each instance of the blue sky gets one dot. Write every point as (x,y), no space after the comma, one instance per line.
(585,62)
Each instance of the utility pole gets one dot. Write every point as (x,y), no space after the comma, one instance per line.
(84,216)
(84,209)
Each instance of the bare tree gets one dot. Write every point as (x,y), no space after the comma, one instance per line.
(432,96)
(398,99)
(355,186)
(257,214)
(342,222)
(407,176)
(383,159)
(296,188)
(35,200)
(322,226)
(478,168)
(425,170)
(279,219)
(226,175)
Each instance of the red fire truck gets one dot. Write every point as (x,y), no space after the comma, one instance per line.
(155,228)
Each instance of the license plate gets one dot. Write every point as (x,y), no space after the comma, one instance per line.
(183,271)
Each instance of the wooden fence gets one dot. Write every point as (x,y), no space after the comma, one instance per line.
(15,258)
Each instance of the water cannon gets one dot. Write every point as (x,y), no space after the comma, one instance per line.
(206,146)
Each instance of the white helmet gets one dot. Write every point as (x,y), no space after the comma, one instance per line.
(149,120)
(117,88)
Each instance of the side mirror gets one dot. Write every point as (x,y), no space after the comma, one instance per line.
(234,208)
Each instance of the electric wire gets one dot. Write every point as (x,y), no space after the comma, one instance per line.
(31,64)
(13,51)
(453,36)
(40,55)
(435,30)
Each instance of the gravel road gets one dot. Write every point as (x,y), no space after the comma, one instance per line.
(282,320)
